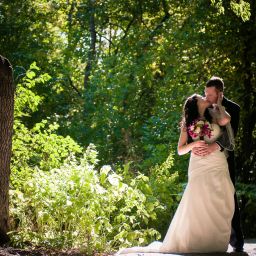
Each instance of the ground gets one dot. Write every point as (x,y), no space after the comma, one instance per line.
(250,250)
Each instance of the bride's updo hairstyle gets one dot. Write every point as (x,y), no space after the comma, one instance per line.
(190,111)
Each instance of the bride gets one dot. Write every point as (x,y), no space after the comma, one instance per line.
(202,222)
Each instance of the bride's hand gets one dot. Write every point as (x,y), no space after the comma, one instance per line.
(218,104)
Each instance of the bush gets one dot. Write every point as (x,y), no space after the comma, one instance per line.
(60,197)
(77,206)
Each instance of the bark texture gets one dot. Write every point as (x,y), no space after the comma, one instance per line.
(6,129)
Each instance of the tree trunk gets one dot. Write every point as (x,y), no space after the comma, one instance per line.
(92,50)
(6,128)
(245,160)
(246,164)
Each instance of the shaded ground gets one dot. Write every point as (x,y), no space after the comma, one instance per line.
(249,247)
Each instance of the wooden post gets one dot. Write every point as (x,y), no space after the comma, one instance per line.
(6,130)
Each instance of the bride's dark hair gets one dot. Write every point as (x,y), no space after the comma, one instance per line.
(190,111)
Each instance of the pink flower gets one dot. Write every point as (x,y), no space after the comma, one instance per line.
(200,128)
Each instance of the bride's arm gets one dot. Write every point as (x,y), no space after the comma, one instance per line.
(184,147)
(222,116)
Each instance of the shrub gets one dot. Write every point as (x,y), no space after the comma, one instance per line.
(77,206)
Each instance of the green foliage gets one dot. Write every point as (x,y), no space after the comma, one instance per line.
(59,198)
(247,192)
(241,9)
(167,186)
(26,100)
(39,146)
(76,205)
(150,55)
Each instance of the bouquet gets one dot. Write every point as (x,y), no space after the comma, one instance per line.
(200,128)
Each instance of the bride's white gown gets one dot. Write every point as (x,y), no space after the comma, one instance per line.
(202,222)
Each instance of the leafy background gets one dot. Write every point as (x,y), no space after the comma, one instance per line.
(99,93)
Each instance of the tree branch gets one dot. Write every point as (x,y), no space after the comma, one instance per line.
(72,85)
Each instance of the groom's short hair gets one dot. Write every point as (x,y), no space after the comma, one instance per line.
(216,82)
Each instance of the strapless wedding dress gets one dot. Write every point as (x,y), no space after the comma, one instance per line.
(202,222)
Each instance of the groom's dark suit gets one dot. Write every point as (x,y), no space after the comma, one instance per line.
(236,238)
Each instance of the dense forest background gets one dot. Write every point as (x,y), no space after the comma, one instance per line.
(99,92)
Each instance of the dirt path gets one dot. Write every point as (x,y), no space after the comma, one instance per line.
(249,250)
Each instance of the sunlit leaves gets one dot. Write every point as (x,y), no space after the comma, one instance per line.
(218,4)
(27,100)
(145,67)
(241,9)
(75,205)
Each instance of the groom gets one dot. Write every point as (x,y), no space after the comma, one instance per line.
(213,91)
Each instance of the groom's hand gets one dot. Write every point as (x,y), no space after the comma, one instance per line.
(205,151)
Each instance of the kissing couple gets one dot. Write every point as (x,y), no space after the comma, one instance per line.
(207,218)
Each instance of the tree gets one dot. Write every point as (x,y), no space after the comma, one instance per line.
(6,127)
(92,51)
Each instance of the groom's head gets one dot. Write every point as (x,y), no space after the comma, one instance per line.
(212,89)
